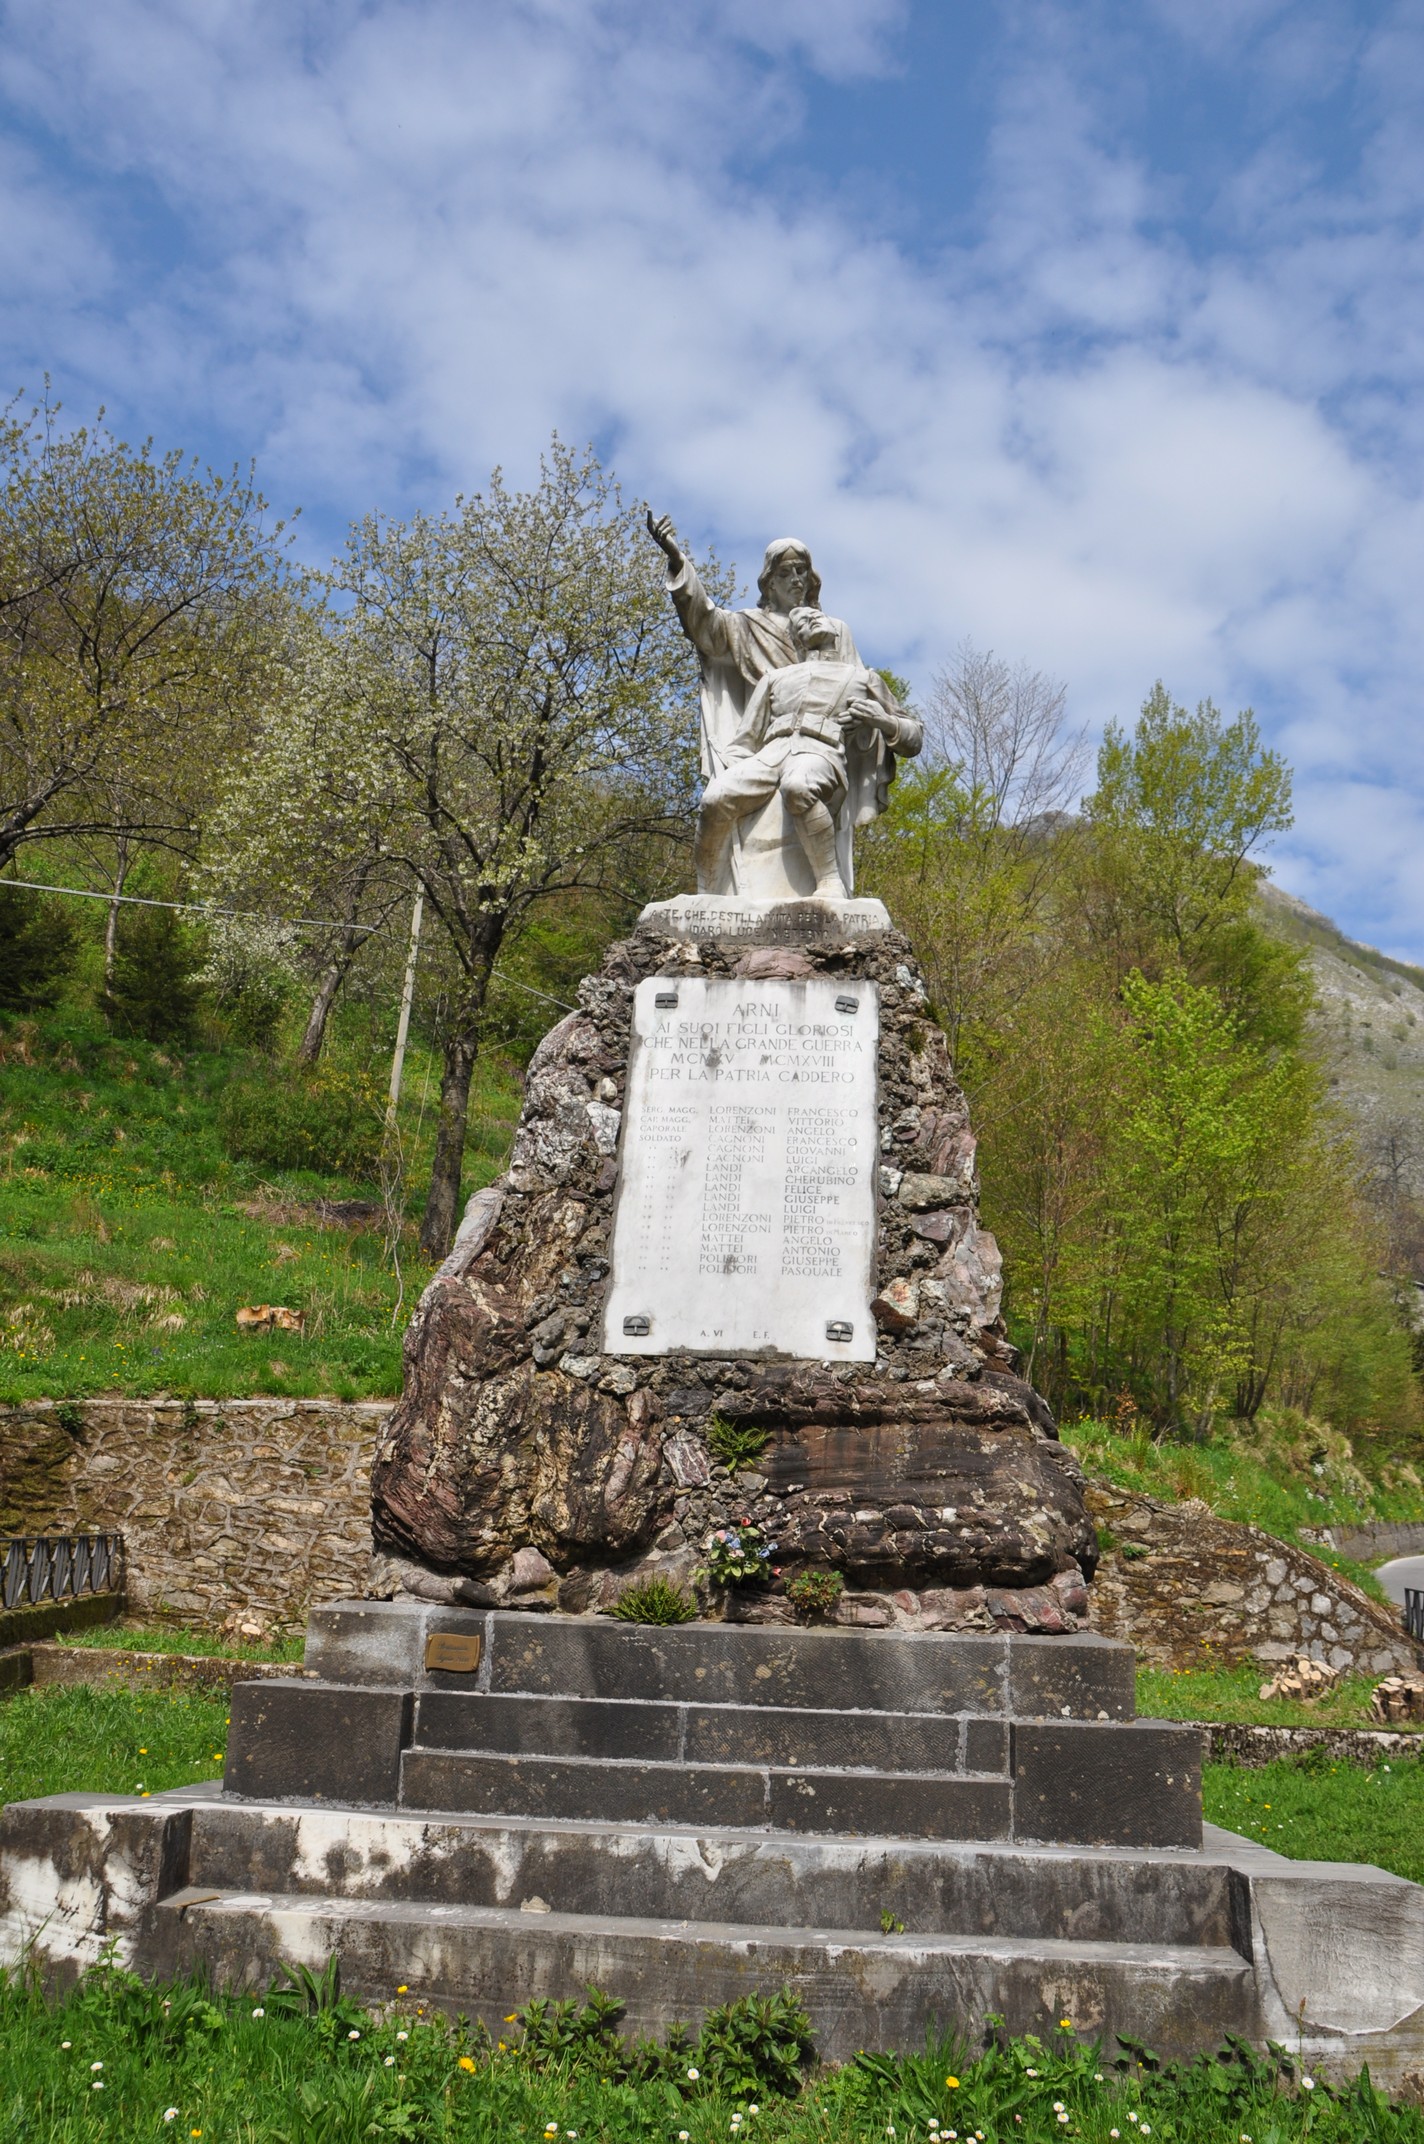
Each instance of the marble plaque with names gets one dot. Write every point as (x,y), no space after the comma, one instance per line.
(745,1214)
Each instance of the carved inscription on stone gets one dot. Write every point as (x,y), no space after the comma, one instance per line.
(745,1218)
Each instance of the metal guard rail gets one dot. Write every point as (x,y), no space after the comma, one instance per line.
(1414,1613)
(57,1567)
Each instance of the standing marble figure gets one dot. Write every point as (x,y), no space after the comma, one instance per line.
(767,856)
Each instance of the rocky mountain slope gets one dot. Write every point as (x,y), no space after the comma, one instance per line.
(1369,1029)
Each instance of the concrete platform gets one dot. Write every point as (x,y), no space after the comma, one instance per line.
(685,1815)
(484,1913)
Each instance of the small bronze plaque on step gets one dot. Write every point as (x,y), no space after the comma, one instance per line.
(453,1653)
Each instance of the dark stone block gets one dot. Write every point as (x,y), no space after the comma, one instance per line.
(316,1742)
(1081,1676)
(1081,1783)
(874,1741)
(879,1804)
(377,1642)
(986,1745)
(708,1663)
(635,1793)
(546,1726)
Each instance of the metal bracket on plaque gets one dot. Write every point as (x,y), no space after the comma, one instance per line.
(847,1004)
(839,1329)
(637,1328)
(454,1652)
(665,1000)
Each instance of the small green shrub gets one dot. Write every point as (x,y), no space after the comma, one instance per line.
(70,1418)
(815,1592)
(37,940)
(654,1600)
(154,994)
(327,1121)
(734,1445)
(757,2045)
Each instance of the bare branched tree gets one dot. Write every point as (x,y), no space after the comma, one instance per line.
(1002,728)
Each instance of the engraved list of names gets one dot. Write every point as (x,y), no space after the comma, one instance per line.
(745,1218)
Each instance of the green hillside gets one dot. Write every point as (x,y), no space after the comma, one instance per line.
(137,1217)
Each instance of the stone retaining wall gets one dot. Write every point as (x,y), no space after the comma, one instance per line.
(223,1504)
(1190,1590)
(104,1667)
(1375,1542)
(265,1504)
(1228,1741)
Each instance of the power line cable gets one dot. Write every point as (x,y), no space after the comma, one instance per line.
(197,908)
(253,915)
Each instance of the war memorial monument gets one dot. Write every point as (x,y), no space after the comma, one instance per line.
(731,1303)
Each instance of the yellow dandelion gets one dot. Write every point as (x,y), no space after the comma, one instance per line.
(465,2063)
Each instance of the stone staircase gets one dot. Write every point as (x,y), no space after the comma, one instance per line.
(911,1829)
(484,1913)
(903,1735)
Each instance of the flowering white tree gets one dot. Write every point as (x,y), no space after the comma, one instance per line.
(140,609)
(528,696)
(311,825)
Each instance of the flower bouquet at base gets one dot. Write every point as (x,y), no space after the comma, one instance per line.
(737,1555)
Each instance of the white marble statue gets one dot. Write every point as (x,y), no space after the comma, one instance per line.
(803,723)
(783,799)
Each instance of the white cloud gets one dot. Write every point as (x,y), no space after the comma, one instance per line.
(385,246)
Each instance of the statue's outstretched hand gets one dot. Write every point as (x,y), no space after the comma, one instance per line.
(664,535)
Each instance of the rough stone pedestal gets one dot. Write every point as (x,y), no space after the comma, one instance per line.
(685,1815)
(540,1460)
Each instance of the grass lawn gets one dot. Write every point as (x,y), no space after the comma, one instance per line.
(302,2065)
(131,1237)
(62,1740)
(1233,1693)
(1317,1811)
(164,1638)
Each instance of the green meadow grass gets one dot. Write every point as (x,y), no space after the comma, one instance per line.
(1233,1693)
(58,1739)
(118,2061)
(129,1237)
(1312,1810)
(165,1638)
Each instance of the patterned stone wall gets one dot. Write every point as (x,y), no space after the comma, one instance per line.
(224,1504)
(265,1505)
(1190,1590)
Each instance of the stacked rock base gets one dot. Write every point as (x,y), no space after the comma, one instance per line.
(685,1815)
(531,1465)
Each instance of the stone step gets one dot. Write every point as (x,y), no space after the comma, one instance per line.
(382,1644)
(672,1873)
(710,1734)
(865,1990)
(1074,1782)
(643,1791)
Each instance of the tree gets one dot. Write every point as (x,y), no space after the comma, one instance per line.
(139,606)
(528,690)
(1178,812)
(975,839)
(310,826)
(1001,728)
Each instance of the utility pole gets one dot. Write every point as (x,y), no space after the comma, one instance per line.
(407,995)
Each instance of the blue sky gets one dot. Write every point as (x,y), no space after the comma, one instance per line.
(1089,331)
